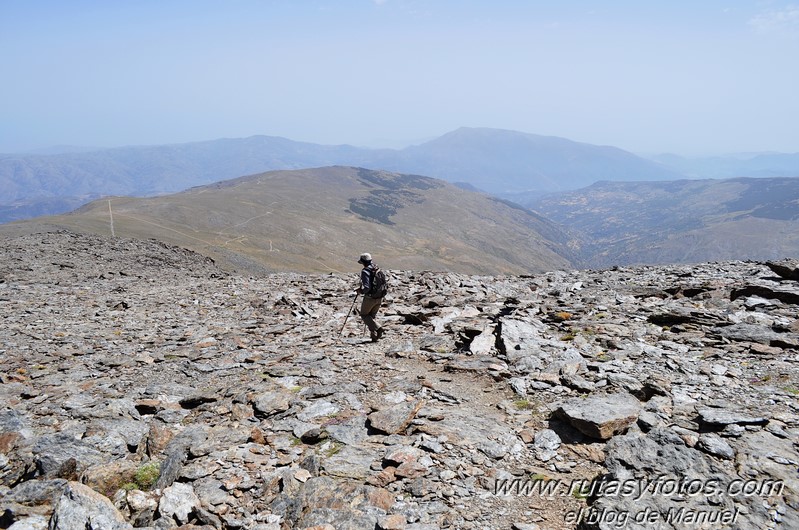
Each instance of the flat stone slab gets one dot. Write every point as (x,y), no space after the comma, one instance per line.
(601,416)
(396,418)
(723,417)
(788,269)
(270,403)
(350,432)
(756,333)
(351,461)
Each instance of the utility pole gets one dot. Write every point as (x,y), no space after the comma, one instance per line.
(111,215)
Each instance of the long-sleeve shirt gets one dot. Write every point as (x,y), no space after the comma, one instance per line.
(366,279)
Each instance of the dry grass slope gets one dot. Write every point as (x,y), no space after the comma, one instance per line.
(317,220)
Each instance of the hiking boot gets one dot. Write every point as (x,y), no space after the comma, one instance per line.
(376,335)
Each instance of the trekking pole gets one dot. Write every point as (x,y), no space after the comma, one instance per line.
(348,314)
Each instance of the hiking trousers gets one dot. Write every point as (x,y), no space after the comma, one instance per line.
(369,309)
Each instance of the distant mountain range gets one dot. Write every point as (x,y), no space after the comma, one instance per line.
(599,206)
(744,165)
(507,162)
(496,161)
(322,219)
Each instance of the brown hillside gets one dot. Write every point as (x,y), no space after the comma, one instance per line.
(321,219)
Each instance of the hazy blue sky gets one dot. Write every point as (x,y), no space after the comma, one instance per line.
(690,77)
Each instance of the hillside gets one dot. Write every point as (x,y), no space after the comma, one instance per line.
(687,221)
(493,160)
(322,219)
(146,388)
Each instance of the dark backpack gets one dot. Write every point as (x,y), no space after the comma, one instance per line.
(378,283)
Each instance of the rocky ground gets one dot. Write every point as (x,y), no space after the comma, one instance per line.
(142,387)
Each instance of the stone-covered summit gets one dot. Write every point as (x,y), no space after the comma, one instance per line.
(142,387)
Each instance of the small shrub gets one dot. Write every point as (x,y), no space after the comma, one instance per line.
(582,492)
(522,404)
(334,448)
(147,475)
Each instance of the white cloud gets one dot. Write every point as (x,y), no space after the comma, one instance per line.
(380,2)
(783,22)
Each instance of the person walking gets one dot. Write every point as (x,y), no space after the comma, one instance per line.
(373,293)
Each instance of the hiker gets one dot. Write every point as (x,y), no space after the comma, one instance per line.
(373,290)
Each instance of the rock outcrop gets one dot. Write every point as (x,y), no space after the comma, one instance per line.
(141,387)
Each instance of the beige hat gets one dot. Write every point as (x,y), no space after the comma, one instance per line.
(365,258)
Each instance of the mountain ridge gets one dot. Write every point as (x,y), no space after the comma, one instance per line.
(557,163)
(318,219)
(493,160)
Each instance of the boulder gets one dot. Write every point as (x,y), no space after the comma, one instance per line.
(396,418)
(600,416)
(81,507)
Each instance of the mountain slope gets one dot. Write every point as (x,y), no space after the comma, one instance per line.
(322,219)
(684,221)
